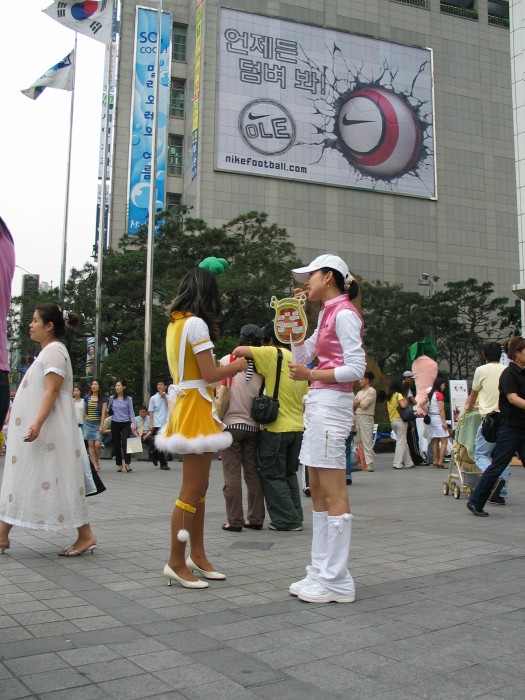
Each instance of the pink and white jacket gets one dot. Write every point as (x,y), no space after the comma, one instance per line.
(337,342)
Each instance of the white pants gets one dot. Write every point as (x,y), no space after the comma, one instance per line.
(365,430)
(402,456)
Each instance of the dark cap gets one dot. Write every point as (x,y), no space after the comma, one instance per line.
(251,334)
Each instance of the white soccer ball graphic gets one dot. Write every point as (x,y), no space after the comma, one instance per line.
(378,132)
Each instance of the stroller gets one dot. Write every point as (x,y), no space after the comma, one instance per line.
(463,474)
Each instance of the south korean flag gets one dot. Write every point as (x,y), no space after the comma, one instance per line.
(94,19)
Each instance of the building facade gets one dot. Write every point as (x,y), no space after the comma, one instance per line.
(381,130)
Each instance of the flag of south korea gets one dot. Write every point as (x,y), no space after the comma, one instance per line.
(91,18)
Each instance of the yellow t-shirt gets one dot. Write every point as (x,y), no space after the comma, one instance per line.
(486,382)
(290,416)
(392,405)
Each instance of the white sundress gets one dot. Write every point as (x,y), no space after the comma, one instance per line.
(43,485)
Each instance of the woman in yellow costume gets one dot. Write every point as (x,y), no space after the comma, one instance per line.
(193,428)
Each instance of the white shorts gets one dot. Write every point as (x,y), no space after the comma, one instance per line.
(326,429)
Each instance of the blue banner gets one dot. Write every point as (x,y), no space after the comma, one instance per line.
(143,114)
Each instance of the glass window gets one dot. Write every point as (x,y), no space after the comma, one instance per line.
(172,200)
(175,155)
(178,51)
(177,97)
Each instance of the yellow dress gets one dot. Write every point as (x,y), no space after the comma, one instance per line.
(193,425)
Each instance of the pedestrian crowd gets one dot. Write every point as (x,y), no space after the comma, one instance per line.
(266,408)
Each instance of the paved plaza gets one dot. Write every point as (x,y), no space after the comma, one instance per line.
(440,608)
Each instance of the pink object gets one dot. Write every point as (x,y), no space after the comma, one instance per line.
(425,371)
(329,350)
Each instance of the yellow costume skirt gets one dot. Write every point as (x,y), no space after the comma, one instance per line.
(193,426)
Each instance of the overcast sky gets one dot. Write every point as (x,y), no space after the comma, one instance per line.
(34,141)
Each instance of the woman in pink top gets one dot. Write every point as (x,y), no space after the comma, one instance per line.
(337,344)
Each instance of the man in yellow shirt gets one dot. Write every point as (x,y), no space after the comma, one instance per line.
(485,390)
(280,441)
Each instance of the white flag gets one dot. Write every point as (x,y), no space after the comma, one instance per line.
(61,76)
(94,19)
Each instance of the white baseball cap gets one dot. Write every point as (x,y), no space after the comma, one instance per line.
(302,274)
(408,373)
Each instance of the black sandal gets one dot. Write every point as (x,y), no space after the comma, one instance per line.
(252,526)
(230,528)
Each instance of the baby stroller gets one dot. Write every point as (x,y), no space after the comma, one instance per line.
(463,474)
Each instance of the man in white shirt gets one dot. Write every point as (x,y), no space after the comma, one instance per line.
(485,389)
(158,416)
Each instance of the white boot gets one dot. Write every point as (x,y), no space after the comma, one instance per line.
(334,582)
(319,520)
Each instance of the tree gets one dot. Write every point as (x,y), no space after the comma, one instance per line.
(394,319)
(466,317)
(260,258)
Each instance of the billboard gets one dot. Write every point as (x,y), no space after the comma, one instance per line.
(143,114)
(312,104)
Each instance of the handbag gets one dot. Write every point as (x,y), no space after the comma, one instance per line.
(222,400)
(223,393)
(426,419)
(407,414)
(109,412)
(266,408)
(490,425)
(133,445)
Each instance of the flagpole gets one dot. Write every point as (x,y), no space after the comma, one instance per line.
(148,302)
(68,180)
(102,217)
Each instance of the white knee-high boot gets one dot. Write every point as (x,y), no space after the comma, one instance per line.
(334,582)
(319,535)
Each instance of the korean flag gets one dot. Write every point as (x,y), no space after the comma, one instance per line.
(94,19)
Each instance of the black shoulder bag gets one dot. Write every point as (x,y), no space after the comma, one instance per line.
(266,408)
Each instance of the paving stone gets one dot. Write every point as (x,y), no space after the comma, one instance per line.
(37,663)
(11,689)
(59,679)
(144,686)
(242,668)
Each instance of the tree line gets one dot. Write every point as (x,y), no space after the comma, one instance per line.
(463,316)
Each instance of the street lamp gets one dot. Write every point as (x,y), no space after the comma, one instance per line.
(430,281)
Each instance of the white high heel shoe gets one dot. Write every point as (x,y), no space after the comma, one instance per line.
(172,576)
(212,575)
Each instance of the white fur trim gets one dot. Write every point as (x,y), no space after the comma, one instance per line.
(177,444)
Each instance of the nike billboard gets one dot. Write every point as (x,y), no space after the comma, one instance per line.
(317,105)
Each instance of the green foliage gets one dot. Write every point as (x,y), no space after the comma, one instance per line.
(260,258)
(394,319)
(462,318)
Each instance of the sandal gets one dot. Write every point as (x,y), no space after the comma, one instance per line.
(230,528)
(252,526)
(119,469)
(128,469)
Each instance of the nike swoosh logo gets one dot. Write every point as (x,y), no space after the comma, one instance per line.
(257,116)
(351,122)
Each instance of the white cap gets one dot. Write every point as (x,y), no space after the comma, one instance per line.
(302,274)
(408,373)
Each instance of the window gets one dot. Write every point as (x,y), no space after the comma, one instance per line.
(172,200)
(416,3)
(175,155)
(498,13)
(463,8)
(178,52)
(177,97)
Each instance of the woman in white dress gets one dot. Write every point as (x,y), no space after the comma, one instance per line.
(43,486)
(435,407)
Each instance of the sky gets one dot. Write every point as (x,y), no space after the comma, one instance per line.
(34,142)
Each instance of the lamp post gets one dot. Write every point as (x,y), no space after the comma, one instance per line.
(430,281)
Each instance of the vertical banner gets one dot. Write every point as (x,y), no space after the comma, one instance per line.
(458,397)
(112,73)
(196,91)
(143,114)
